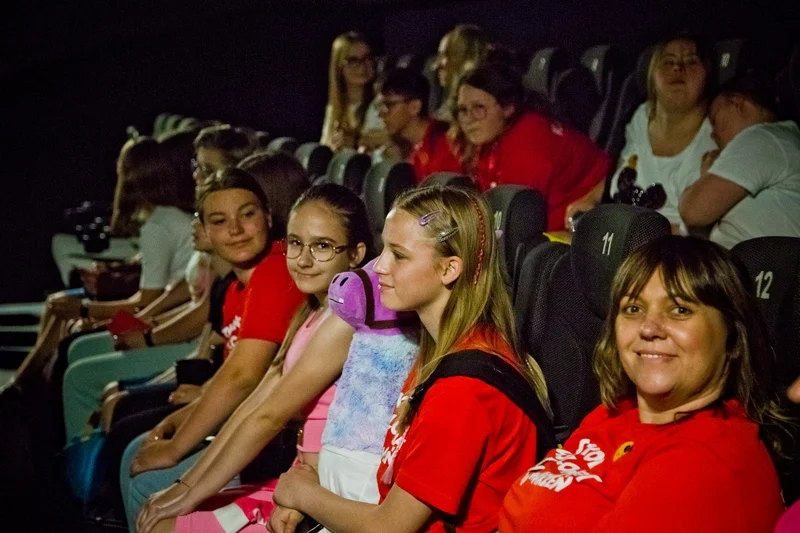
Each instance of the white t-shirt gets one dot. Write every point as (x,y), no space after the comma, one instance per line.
(765,160)
(674,173)
(165,242)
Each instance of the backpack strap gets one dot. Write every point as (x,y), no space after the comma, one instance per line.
(495,371)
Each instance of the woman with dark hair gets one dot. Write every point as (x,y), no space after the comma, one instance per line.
(283,179)
(689,428)
(668,134)
(502,141)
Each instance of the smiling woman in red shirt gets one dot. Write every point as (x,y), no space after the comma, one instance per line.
(682,441)
(501,142)
(447,460)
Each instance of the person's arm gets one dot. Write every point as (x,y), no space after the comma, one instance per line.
(182,327)
(105,310)
(400,512)
(174,295)
(708,199)
(317,369)
(257,421)
(683,476)
(586,203)
(223,393)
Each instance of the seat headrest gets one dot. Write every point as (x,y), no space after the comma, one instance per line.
(314,157)
(602,240)
(348,167)
(642,67)
(598,60)
(520,214)
(773,264)
(728,56)
(384,181)
(287,145)
(575,97)
(544,66)
(453,179)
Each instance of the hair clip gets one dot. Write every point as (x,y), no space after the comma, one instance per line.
(424,220)
(446,234)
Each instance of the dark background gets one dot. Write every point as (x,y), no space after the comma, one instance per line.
(75,75)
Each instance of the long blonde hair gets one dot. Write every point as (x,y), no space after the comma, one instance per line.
(337,91)
(479,297)
(470,44)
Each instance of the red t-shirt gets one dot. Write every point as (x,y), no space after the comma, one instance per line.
(560,162)
(434,153)
(707,473)
(465,446)
(263,308)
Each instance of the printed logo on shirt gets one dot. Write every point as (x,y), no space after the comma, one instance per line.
(230,333)
(391,450)
(568,467)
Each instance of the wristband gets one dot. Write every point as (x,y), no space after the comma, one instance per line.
(84,311)
(148,338)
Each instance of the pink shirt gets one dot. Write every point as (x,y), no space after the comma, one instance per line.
(317,411)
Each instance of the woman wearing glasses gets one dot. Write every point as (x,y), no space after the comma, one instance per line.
(668,134)
(350,90)
(501,141)
(327,234)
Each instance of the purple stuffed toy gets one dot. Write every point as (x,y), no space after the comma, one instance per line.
(383,349)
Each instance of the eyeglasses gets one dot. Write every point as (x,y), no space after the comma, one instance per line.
(475,112)
(386,106)
(654,197)
(198,167)
(354,61)
(320,250)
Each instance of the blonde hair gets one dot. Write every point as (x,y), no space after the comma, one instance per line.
(470,44)
(337,91)
(655,60)
(697,270)
(479,296)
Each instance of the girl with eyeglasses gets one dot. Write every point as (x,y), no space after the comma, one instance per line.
(449,457)
(668,134)
(502,140)
(350,90)
(327,234)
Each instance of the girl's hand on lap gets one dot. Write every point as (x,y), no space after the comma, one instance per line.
(294,484)
(169,503)
(284,520)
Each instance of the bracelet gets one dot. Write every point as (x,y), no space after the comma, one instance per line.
(84,311)
(148,338)
(182,482)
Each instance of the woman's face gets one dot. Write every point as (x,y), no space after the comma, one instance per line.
(673,351)
(447,64)
(206,162)
(679,76)
(409,268)
(358,65)
(237,225)
(480,115)
(315,226)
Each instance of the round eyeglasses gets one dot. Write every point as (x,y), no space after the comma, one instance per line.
(320,250)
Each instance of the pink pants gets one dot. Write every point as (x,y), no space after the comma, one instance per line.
(248,513)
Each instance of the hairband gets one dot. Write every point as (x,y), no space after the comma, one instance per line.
(482,226)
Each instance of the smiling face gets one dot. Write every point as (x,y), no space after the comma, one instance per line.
(409,269)
(237,226)
(480,115)
(679,76)
(674,351)
(317,224)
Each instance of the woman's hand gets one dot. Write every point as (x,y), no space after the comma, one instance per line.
(294,484)
(65,307)
(581,205)
(168,503)
(154,455)
(130,341)
(185,394)
(284,520)
(794,391)
(708,160)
